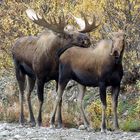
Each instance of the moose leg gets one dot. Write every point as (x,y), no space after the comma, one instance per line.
(115,94)
(40,92)
(102,89)
(80,105)
(59,114)
(31,84)
(21,82)
(58,101)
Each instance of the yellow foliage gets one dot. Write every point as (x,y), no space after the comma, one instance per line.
(113,15)
(95,112)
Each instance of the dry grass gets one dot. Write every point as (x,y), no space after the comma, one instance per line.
(10,107)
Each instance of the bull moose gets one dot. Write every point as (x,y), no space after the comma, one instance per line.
(34,57)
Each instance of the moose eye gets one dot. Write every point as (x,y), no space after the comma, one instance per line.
(80,39)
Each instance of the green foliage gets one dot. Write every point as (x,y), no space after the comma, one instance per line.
(130,125)
(129,111)
(138,84)
(137,109)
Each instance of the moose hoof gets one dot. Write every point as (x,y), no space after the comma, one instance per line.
(21,120)
(22,123)
(116,128)
(89,129)
(39,124)
(103,130)
(52,126)
(32,124)
(59,126)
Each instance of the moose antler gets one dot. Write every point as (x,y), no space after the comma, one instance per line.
(79,21)
(53,25)
(89,26)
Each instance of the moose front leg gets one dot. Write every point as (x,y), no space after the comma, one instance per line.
(59,114)
(57,103)
(102,89)
(115,94)
(40,92)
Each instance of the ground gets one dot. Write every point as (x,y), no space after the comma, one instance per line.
(12,131)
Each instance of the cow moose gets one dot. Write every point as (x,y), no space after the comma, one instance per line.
(34,57)
(96,67)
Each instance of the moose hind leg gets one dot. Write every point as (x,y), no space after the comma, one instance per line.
(21,83)
(102,89)
(115,94)
(59,115)
(40,92)
(57,105)
(80,105)
(31,84)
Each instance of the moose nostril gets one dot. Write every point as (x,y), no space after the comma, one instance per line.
(116,54)
(85,42)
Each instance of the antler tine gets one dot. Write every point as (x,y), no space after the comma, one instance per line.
(53,25)
(89,27)
(63,20)
(41,21)
(50,19)
(94,21)
(54,19)
(60,20)
(85,19)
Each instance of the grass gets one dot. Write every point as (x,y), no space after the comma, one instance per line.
(131,125)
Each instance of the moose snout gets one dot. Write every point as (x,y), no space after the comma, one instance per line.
(115,53)
(86,43)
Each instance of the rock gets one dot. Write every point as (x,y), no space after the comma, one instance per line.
(4,133)
(16,132)
(82,127)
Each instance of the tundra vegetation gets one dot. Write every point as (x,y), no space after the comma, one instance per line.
(115,15)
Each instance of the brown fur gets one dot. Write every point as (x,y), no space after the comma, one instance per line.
(91,60)
(35,56)
(100,67)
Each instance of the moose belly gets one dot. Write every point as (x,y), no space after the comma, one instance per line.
(85,78)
